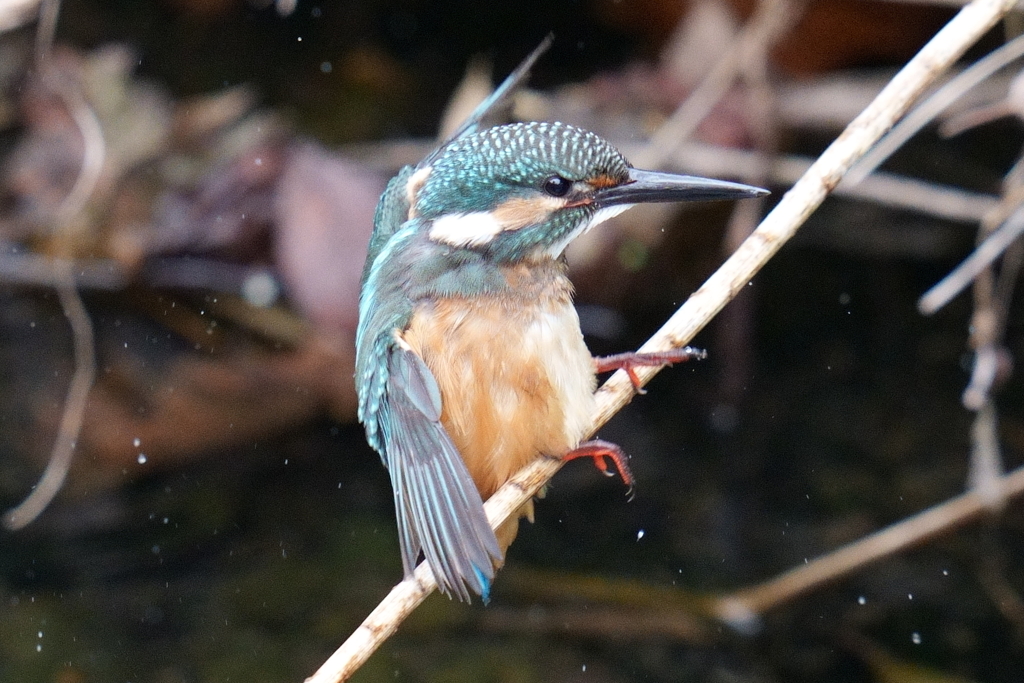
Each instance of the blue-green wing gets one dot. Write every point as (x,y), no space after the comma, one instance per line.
(438,507)
(392,212)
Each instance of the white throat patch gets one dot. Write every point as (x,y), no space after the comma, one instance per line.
(600,216)
(465,229)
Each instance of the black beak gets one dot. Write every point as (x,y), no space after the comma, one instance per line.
(654,186)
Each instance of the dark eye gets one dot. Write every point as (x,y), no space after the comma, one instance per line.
(557,186)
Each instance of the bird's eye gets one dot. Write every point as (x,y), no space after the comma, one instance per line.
(557,186)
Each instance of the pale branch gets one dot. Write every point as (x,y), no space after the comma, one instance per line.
(73,415)
(770,21)
(886,189)
(934,105)
(982,257)
(49,13)
(742,608)
(778,227)
(70,210)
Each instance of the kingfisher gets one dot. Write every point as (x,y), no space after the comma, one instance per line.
(470,362)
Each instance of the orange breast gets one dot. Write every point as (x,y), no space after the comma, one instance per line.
(516,379)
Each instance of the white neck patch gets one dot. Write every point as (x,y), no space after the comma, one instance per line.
(465,229)
(478,228)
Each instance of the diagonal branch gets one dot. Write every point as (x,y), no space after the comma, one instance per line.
(744,607)
(778,227)
(981,258)
(771,20)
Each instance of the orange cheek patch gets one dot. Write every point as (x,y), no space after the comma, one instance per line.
(521,212)
(598,182)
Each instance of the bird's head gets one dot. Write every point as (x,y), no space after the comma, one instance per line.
(524,191)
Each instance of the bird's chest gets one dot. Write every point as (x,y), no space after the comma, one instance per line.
(516,379)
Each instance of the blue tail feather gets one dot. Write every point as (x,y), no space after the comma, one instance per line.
(485,584)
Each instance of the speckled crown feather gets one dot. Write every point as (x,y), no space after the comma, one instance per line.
(480,170)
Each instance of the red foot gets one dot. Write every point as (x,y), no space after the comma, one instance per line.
(631,360)
(599,450)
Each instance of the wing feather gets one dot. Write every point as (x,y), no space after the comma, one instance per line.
(438,506)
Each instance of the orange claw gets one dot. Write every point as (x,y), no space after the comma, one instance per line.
(599,450)
(629,361)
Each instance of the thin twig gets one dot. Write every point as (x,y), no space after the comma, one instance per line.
(771,19)
(982,257)
(777,228)
(735,329)
(49,12)
(886,189)
(74,404)
(986,470)
(935,105)
(93,157)
(742,608)
(984,373)
(992,297)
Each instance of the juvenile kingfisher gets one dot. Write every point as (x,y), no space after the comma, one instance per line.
(470,361)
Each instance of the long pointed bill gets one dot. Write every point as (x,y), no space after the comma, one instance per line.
(654,186)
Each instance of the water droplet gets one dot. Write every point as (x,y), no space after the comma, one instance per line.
(142,458)
(137,442)
(261,289)
(915,638)
(640,534)
(862,600)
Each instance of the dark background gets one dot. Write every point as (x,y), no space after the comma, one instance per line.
(253,563)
